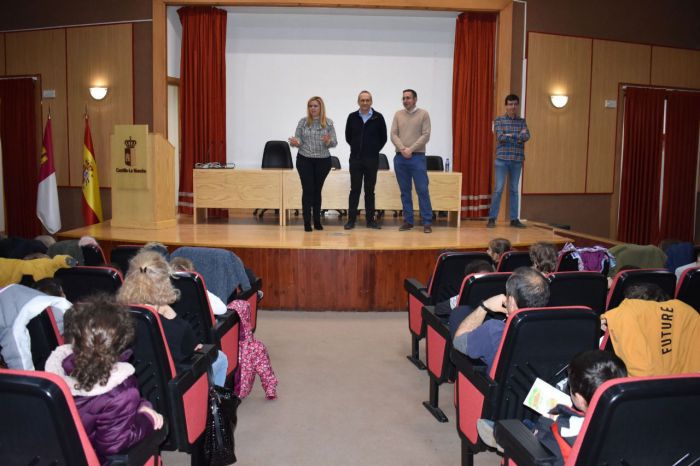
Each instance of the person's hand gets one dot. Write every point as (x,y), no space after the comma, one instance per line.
(198,347)
(603,324)
(406,152)
(523,131)
(326,138)
(294,142)
(497,303)
(155,416)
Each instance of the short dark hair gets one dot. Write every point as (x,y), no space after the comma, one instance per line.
(49,286)
(499,246)
(588,370)
(415,94)
(478,266)
(646,291)
(528,287)
(512,98)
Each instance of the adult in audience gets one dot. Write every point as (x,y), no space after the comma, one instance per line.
(479,338)
(94,365)
(410,132)
(511,135)
(314,135)
(679,271)
(181,264)
(365,131)
(148,282)
(543,256)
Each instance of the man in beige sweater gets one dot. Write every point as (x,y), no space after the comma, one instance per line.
(410,131)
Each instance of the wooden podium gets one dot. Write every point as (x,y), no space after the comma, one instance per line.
(143,179)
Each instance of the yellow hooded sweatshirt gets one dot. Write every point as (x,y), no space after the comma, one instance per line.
(11,270)
(655,338)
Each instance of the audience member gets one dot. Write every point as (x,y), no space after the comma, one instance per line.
(12,270)
(679,271)
(49,286)
(155,246)
(148,282)
(644,257)
(443,309)
(69,247)
(646,292)
(94,365)
(678,253)
(544,257)
(497,246)
(181,264)
(479,338)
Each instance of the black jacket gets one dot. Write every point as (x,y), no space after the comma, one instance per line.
(365,139)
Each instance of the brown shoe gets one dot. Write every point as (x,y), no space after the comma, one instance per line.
(427,229)
(405,226)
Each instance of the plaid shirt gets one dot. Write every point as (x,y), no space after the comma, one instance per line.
(310,137)
(510,144)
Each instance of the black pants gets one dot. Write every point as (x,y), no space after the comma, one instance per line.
(366,168)
(313,173)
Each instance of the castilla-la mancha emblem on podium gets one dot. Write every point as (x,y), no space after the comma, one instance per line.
(129,151)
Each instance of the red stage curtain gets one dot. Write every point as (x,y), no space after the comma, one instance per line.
(202,93)
(20,157)
(641,167)
(472,109)
(680,165)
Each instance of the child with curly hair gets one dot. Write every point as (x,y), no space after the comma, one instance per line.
(94,365)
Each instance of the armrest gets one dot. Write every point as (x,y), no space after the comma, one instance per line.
(475,371)
(416,289)
(244,295)
(224,322)
(139,453)
(428,313)
(520,444)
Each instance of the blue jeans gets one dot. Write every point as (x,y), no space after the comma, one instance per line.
(513,170)
(218,369)
(413,171)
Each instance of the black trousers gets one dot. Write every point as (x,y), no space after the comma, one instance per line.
(313,173)
(363,168)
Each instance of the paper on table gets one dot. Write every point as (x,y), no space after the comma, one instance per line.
(542,397)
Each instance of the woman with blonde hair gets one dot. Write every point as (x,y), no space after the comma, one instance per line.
(148,282)
(314,135)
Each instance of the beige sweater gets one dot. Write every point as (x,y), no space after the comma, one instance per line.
(410,130)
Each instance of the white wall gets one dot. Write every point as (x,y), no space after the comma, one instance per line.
(276,58)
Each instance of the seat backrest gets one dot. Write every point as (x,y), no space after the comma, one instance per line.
(40,423)
(688,289)
(80,282)
(511,260)
(640,420)
(44,337)
(588,289)
(538,343)
(120,256)
(93,255)
(277,155)
(662,277)
(383,162)
(567,262)
(335,163)
(478,287)
(434,163)
(449,272)
(193,305)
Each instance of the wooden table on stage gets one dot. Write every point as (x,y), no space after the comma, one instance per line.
(445,192)
(281,189)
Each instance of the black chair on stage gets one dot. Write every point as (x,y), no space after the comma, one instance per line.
(688,289)
(536,343)
(434,163)
(636,420)
(80,282)
(663,278)
(511,260)
(438,341)
(588,289)
(276,154)
(444,283)
(121,255)
(40,425)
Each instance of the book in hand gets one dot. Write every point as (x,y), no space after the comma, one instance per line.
(542,397)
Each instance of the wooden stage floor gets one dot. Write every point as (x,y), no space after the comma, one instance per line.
(333,269)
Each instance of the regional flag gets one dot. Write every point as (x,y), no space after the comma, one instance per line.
(92,205)
(47,195)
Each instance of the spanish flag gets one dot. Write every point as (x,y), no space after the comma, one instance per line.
(47,195)
(92,205)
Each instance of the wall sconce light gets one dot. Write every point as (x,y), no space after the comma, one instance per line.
(98,93)
(559,101)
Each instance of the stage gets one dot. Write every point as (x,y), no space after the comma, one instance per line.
(333,269)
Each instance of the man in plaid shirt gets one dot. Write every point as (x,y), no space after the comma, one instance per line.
(511,135)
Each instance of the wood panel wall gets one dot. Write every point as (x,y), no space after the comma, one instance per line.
(44,53)
(557,150)
(2,54)
(675,67)
(98,56)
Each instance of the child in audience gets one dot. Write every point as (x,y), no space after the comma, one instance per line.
(544,257)
(497,246)
(93,364)
(443,309)
(587,371)
(148,282)
(49,286)
(182,264)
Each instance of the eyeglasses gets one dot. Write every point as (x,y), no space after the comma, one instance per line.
(214,165)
